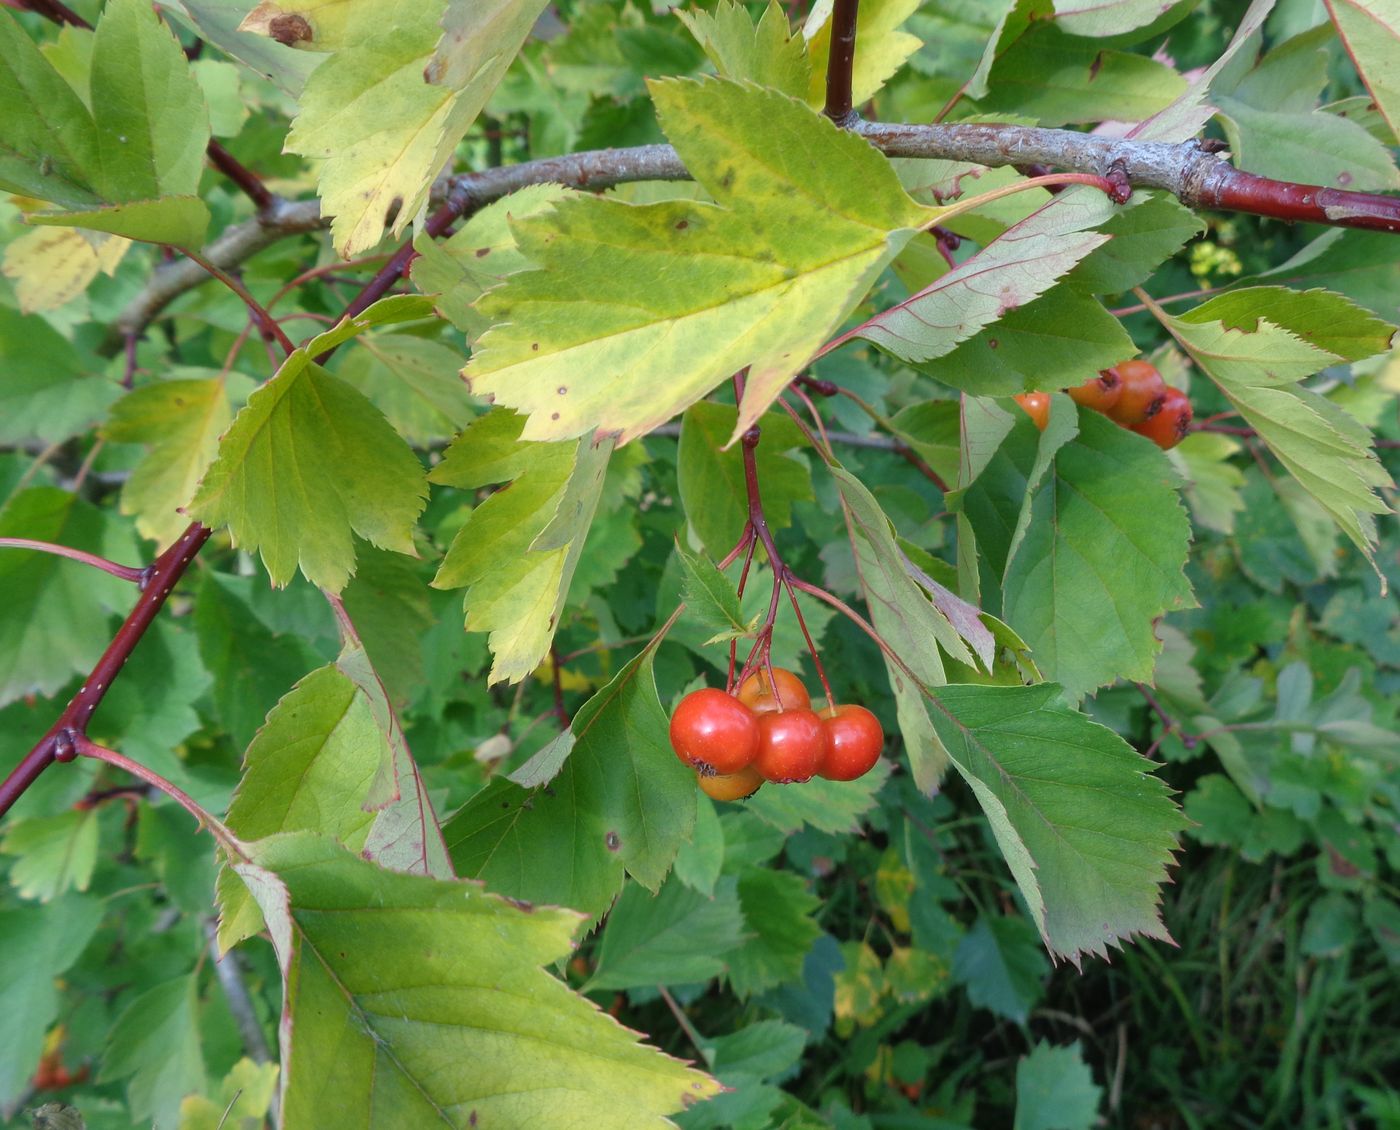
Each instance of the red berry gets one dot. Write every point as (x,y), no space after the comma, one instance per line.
(1100,393)
(1171,423)
(1143,390)
(714,733)
(854,739)
(784,692)
(731,786)
(791,745)
(1037,407)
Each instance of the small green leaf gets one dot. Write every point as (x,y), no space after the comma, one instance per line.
(832,806)
(778,911)
(155,1045)
(1055,1089)
(54,853)
(517,553)
(37,944)
(712,476)
(620,798)
(762,51)
(427,1002)
(414,381)
(241,1103)
(308,463)
(51,605)
(710,596)
(50,390)
(1000,965)
(670,938)
(1102,557)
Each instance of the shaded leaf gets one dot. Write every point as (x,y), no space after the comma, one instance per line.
(155,1046)
(672,937)
(1055,1090)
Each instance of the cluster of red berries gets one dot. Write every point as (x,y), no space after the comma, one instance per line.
(768,731)
(1133,394)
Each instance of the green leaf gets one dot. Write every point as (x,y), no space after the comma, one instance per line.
(711,476)
(778,910)
(517,553)
(155,1044)
(54,853)
(473,1026)
(1059,79)
(420,78)
(1051,343)
(414,381)
(1213,483)
(131,166)
(252,667)
(386,312)
(710,597)
(51,605)
(1102,556)
(1371,31)
(1001,966)
(148,110)
(48,144)
(1256,363)
(307,463)
(241,1103)
(1055,1090)
(1144,232)
(50,391)
(332,760)
(51,268)
(37,944)
(762,51)
(1020,264)
(1085,828)
(699,860)
(1100,20)
(389,602)
(670,938)
(1357,264)
(217,22)
(831,806)
(182,421)
(620,800)
(799,229)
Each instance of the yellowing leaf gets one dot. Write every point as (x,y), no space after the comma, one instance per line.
(518,551)
(428,1002)
(182,421)
(389,106)
(52,267)
(881,47)
(1257,363)
(307,463)
(640,310)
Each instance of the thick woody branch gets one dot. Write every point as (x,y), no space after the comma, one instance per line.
(841,60)
(1199,178)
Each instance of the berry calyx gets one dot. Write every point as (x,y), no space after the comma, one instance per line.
(1168,427)
(1142,392)
(854,739)
(714,733)
(731,786)
(783,692)
(1100,393)
(791,746)
(1036,406)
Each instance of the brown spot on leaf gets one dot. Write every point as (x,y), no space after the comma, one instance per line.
(681,225)
(534,347)
(563,389)
(554,415)
(992,343)
(613,840)
(289,28)
(482,252)
(1344,179)
(1095,65)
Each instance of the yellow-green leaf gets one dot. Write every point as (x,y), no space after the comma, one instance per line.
(308,463)
(640,310)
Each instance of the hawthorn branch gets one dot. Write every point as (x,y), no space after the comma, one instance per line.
(1198,177)
(841,63)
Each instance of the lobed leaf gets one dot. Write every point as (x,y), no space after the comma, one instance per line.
(425,1001)
(610,335)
